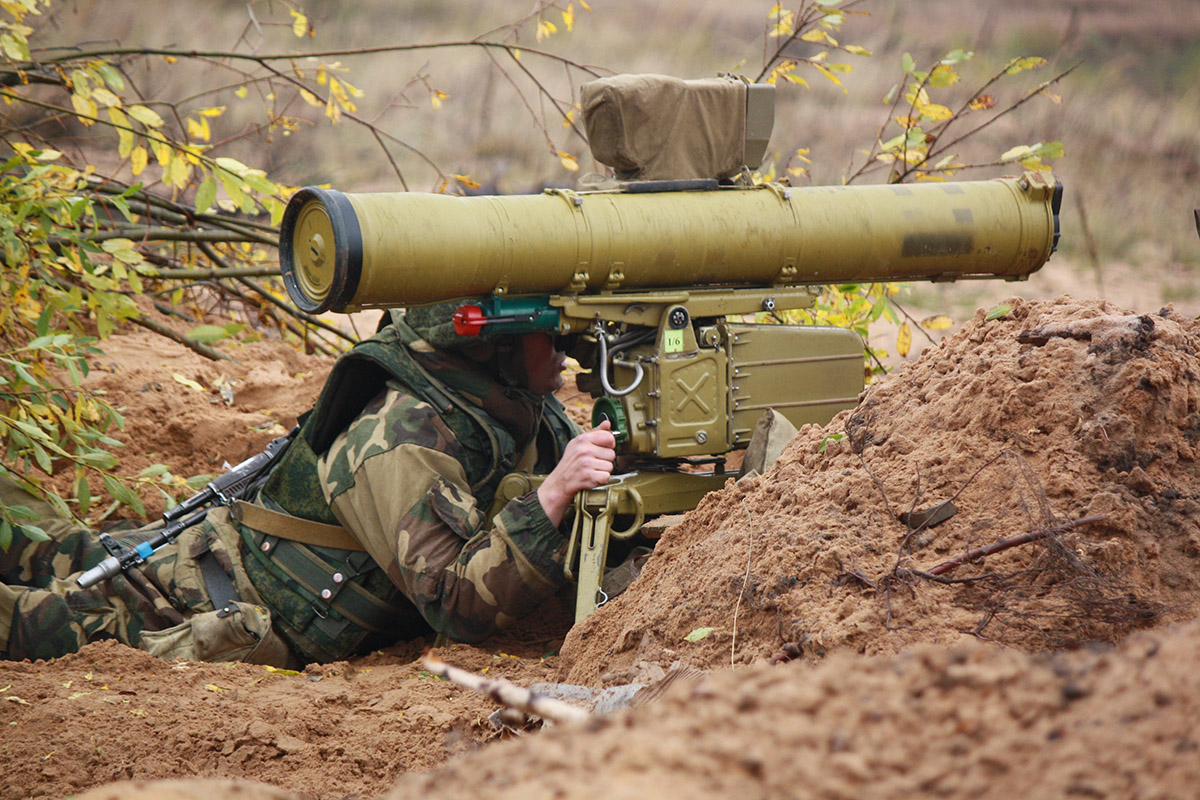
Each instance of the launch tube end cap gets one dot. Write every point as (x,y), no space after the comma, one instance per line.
(320,250)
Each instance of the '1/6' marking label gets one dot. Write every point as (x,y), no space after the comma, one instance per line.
(673,341)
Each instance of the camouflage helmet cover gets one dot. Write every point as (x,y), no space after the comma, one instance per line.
(435,324)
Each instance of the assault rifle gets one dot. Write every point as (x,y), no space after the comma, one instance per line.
(653,275)
(235,484)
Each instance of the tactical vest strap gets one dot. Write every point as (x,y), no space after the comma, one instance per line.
(297,529)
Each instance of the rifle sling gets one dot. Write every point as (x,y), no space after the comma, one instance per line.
(297,529)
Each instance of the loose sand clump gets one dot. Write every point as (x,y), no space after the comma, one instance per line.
(1073,422)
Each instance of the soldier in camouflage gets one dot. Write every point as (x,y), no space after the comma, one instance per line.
(376,524)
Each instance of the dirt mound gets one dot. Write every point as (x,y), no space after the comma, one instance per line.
(1071,424)
(193,414)
(971,721)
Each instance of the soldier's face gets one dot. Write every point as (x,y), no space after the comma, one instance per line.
(543,363)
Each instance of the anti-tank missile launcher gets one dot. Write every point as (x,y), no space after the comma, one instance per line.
(652,271)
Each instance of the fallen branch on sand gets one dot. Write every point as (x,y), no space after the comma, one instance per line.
(1004,544)
(506,693)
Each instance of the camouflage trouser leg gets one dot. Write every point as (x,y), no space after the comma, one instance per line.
(44,613)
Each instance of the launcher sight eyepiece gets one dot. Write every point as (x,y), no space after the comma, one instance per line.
(511,316)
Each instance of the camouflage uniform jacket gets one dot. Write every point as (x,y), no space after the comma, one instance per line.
(412,477)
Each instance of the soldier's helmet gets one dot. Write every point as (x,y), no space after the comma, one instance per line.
(435,324)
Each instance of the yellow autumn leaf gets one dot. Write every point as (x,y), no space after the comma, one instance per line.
(545,29)
(146,116)
(338,92)
(178,173)
(332,110)
(138,157)
(162,152)
(278,671)
(80,84)
(198,129)
(940,322)
(212,687)
(85,109)
(569,17)
(824,70)
(936,112)
(105,97)
(191,384)
(124,135)
(436,97)
(299,24)
(903,340)
(467,182)
(240,92)
(310,98)
(569,161)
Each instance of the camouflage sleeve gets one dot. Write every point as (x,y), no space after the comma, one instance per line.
(392,479)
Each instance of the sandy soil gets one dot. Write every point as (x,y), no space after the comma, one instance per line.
(849,648)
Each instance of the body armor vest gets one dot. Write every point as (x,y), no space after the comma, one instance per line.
(333,603)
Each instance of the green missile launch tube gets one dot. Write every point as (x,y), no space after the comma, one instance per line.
(347,251)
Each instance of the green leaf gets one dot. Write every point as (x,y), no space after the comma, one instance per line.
(998,312)
(1051,150)
(22,512)
(35,534)
(111,77)
(1022,64)
(124,495)
(698,634)
(98,459)
(259,183)
(199,481)
(833,437)
(153,471)
(206,195)
(123,207)
(31,430)
(907,64)
(5,534)
(83,493)
(208,333)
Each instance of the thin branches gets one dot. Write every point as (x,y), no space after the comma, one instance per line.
(745,580)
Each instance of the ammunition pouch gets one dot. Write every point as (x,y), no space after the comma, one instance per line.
(239,632)
(328,602)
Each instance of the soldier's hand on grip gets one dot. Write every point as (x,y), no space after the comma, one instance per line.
(587,463)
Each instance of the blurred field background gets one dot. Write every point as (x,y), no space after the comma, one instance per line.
(1129,116)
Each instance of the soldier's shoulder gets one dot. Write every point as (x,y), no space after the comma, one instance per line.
(394,417)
